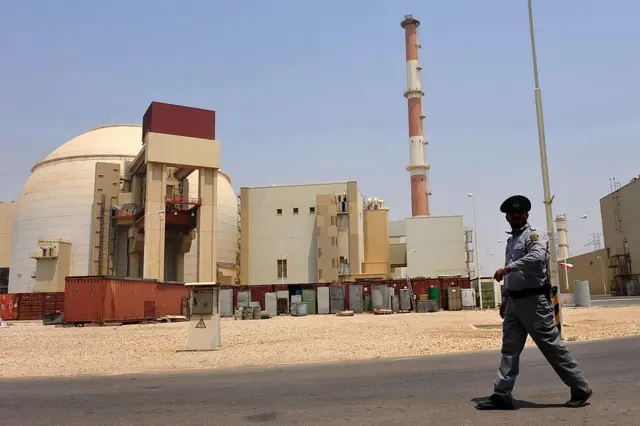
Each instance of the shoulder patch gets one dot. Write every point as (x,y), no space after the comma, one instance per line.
(534,238)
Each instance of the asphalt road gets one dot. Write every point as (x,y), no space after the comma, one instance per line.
(411,391)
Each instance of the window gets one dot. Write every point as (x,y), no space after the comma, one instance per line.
(282,268)
(319,231)
(319,253)
(312,210)
(279,212)
(333,220)
(319,274)
(334,242)
(295,210)
(333,263)
(342,259)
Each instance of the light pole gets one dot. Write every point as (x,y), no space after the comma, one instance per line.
(604,280)
(566,257)
(548,199)
(475,237)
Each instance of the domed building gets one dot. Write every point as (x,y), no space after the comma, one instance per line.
(54,232)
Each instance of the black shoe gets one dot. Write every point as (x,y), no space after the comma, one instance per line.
(578,399)
(496,402)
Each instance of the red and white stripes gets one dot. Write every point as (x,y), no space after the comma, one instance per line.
(417,143)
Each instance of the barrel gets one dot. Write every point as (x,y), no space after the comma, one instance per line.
(581,294)
(434,293)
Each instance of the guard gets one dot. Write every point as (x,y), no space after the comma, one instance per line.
(526,310)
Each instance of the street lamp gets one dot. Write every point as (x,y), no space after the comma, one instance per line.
(475,237)
(604,280)
(548,199)
(565,264)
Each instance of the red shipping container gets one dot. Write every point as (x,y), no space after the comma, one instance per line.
(258,293)
(30,306)
(168,300)
(53,303)
(110,299)
(7,307)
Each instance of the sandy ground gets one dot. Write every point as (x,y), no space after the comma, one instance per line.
(30,349)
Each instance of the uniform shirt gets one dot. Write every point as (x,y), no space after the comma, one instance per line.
(527,255)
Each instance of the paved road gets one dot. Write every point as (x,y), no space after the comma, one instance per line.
(412,391)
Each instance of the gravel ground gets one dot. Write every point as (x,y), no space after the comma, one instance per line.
(30,349)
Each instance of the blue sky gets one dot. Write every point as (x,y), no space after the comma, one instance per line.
(310,91)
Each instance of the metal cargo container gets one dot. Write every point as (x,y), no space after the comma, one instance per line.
(109,299)
(355,298)
(168,299)
(30,306)
(7,306)
(53,303)
(258,292)
(323,300)
(309,297)
(226,303)
(395,304)
(337,298)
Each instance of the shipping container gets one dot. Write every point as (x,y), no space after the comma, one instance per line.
(258,293)
(8,307)
(169,298)
(103,299)
(53,303)
(30,306)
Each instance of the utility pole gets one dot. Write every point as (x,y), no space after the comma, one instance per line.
(548,199)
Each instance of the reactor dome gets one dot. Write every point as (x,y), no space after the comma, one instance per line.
(56,203)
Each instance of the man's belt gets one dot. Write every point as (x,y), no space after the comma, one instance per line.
(535,291)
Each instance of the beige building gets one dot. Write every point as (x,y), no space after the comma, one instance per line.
(592,267)
(301,234)
(7,212)
(620,212)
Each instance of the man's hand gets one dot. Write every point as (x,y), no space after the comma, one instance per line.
(503,308)
(500,273)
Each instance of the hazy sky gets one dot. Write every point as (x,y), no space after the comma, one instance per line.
(311,91)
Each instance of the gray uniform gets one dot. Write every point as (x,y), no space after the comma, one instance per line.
(527,256)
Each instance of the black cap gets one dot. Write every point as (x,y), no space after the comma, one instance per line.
(516,203)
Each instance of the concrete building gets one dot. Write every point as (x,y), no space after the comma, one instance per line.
(128,200)
(7,211)
(301,234)
(620,212)
(435,246)
(592,267)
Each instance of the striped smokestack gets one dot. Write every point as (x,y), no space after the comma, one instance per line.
(417,143)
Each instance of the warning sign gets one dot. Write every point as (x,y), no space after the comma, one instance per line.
(201,324)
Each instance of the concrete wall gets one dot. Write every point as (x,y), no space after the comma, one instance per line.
(588,267)
(435,246)
(7,212)
(268,235)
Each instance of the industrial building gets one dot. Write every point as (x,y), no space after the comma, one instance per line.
(306,234)
(610,269)
(128,200)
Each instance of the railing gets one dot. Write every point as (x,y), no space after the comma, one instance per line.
(183,200)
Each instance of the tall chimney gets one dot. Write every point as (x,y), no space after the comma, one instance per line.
(561,233)
(417,144)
